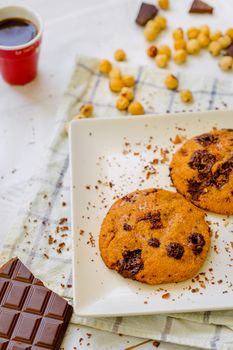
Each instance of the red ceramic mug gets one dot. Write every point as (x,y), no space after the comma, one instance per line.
(19,64)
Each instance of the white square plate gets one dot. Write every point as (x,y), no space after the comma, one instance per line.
(109,158)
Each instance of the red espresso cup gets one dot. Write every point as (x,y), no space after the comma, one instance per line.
(19,64)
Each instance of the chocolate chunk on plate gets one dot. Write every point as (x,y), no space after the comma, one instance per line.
(146,12)
(199,6)
(31,315)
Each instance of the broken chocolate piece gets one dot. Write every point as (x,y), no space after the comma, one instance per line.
(199,6)
(146,12)
(153,242)
(131,263)
(31,315)
(175,250)
(230,51)
(196,242)
(206,139)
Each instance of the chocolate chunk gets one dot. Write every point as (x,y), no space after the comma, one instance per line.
(197,188)
(196,242)
(229,51)
(31,315)
(131,263)
(154,219)
(127,227)
(202,160)
(206,139)
(146,12)
(199,6)
(175,250)
(153,242)
(222,174)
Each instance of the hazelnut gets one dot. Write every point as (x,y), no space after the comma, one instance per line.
(128,80)
(171,82)
(161,61)
(180,56)
(116,84)
(215,35)
(164,4)
(230,32)
(122,103)
(151,31)
(178,34)
(226,63)
(165,50)
(204,40)
(86,110)
(186,96)
(161,21)
(152,51)
(127,93)
(179,44)
(120,55)
(215,48)
(204,29)
(115,73)
(225,41)
(136,108)
(193,47)
(193,33)
(105,66)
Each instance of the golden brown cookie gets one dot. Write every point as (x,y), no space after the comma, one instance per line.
(154,236)
(202,170)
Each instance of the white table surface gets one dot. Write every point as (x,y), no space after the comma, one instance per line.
(27,114)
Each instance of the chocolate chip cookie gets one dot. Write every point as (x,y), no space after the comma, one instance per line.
(202,170)
(154,236)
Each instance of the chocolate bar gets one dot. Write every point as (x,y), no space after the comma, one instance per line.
(146,12)
(199,6)
(32,317)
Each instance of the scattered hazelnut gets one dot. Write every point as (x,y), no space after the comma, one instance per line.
(161,21)
(152,51)
(204,40)
(115,73)
(120,55)
(86,110)
(178,34)
(230,32)
(180,56)
(136,108)
(164,4)
(171,82)
(165,50)
(226,63)
(186,96)
(193,47)
(105,66)
(122,103)
(215,35)
(215,48)
(116,84)
(225,41)
(193,33)
(151,31)
(161,61)
(127,93)
(128,80)
(204,29)
(180,44)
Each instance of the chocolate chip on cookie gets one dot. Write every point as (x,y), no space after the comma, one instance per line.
(175,250)
(153,242)
(196,242)
(131,263)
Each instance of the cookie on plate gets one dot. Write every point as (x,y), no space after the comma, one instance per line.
(202,170)
(154,236)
